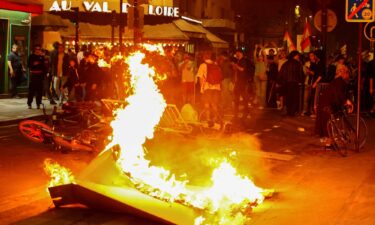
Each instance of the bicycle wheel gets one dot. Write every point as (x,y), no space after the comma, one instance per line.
(351,127)
(35,131)
(339,142)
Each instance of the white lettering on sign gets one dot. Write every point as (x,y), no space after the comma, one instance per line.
(103,6)
(163,10)
(55,7)
(63,7)
(96,8)
(88,5)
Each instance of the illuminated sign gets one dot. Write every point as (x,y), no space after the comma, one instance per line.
(107,7)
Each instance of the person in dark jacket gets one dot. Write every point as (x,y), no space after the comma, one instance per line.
(272,73)
(332,101)
(93,78)
(292,77)
(15,70)
(72,82)
(37,71)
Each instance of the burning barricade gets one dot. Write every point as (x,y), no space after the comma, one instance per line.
(122,179)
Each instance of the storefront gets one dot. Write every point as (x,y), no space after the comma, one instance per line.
(15,18)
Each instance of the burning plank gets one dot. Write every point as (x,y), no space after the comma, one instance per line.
(122,179)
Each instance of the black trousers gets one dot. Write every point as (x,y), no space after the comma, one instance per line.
(35,89)
(271,94)
(292,98)
(13,85)
(240,90)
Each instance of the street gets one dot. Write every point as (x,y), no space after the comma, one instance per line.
(313,185)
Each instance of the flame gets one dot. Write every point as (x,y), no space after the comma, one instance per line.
(226,201)
(102,63)
(59,174)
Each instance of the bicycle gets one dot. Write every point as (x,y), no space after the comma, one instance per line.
(342,131)
(91,138)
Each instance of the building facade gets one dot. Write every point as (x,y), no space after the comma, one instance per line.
(216,15)
(15,26)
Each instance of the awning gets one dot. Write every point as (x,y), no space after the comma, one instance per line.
(32,6)
(219,23)
(198,31)
(48,20)
(189,29)
(162,32)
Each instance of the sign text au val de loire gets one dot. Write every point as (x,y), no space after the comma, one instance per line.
(105,7)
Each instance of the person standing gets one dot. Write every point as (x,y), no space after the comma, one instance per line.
(332,101)
(272,74)
(47,80)
(81,54)
(314,74)
(282,58)
(187,67)
(210,78)
(72,84)
(59,70)
(37,70)
(227,70)
(241,81)
(15,70)
(260,76)
(292,77)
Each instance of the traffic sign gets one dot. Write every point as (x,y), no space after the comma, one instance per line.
(331,20)
(359,10)
(370,31)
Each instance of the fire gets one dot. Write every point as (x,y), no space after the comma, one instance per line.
(59,174)
(226,201)
(102,63)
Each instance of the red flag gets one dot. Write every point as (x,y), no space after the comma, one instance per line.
(289,41)
(307,32)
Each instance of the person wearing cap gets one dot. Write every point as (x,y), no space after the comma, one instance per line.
(292,76)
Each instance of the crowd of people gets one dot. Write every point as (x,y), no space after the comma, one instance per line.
(212,83)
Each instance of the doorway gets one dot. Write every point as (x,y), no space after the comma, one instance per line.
(3,54)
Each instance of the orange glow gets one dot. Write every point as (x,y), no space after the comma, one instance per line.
(226,201)
(229,196)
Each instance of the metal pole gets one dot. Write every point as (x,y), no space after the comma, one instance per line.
(360,28)
(76,39)
(113,27)
(120,27)
(324,34)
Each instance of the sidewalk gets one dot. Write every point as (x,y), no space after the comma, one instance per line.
(14,110)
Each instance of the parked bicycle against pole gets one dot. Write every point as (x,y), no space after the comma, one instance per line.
(342,130)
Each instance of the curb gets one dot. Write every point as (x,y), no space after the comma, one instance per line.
(16,121)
